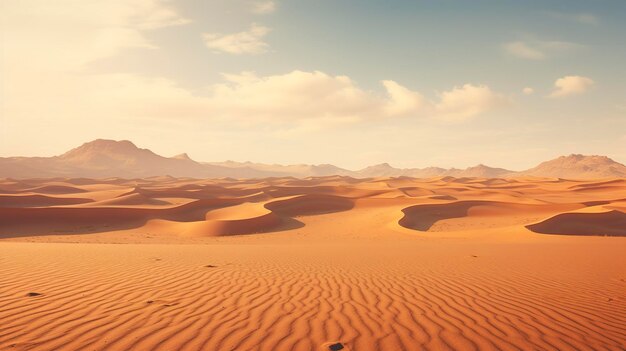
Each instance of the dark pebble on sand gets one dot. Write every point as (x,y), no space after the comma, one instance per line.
(335,347)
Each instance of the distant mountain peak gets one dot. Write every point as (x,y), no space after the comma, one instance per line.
(182,156)
(109,154)
(479,166)
(111,142)
(383,165)
(579,166)
(108,143)
(104,146)
(584,159)
(579,157)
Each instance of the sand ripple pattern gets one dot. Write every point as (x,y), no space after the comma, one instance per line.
(295,297)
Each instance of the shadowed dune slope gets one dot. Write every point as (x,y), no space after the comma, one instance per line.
(477,214)
(39,201)
(51,220)
(610,223)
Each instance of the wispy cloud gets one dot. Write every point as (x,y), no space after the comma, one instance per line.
(538,49)
(583,18)
(467,101)
(247,42)
(524,50)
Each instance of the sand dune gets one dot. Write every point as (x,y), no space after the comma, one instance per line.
(475,214)
(308,264)
(56,189)
(133,199)
(310,204)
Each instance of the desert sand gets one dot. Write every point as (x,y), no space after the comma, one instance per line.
(322,263)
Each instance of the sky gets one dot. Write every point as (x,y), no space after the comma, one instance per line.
(352,83)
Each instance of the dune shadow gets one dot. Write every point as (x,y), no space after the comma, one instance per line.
(286,223)
(41,221)
(423,217)
(611,223)
(16,222)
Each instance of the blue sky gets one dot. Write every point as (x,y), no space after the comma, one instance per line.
(353,83)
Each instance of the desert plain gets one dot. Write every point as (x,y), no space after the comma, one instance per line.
(322,263)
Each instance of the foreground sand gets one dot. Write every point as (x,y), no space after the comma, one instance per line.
(383,264)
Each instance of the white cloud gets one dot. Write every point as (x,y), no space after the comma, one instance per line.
(263,7)
(402,101)
(462,103)
(316,95)
(247,42)
(571,85)
(528,91)
(298,100)
(538,49)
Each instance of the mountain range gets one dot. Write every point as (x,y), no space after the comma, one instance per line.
(109,158)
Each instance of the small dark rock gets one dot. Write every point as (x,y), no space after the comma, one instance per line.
(474,256)
(335,347)
(33,294)
(149,301)
(210,266)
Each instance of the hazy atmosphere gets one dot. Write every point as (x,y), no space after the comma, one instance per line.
(352,83)
(312,175)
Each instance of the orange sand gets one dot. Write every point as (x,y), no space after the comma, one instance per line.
(374,264)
